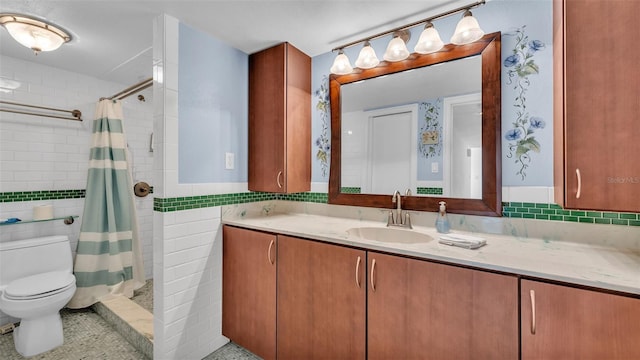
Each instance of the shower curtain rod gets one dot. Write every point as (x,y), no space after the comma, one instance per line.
(77,115)
(131,90)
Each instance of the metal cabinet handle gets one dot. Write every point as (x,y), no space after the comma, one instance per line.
(532,295)
(278,179)
(373,268)
(579,183)
(269,252)
(358,271)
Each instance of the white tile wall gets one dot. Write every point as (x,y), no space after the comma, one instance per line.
(40,153)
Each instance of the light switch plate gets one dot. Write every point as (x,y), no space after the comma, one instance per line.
(434,167)
(229,161)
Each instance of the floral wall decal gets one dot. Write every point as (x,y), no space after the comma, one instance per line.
(323,142)
(520,66)
(429,141)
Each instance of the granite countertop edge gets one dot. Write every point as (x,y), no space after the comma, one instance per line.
(601,267)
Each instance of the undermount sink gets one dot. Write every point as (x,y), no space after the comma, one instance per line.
(389,235)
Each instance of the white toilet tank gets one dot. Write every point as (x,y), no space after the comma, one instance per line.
(23,258)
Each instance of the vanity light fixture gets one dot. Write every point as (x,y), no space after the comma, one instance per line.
(33,33)
(467,31)
(341,64)
(397,48)
(429,40)
(367,58)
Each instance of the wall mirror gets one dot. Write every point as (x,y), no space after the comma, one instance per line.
(430,124)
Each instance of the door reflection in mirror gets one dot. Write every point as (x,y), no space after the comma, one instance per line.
(462,172)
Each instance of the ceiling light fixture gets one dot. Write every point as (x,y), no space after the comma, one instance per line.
(33,33)
(467,31)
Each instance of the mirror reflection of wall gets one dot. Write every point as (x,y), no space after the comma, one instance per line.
(421,159)
(377,156)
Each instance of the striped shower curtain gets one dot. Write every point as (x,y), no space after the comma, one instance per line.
(108,259)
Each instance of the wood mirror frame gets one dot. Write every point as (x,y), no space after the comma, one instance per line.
(491,202)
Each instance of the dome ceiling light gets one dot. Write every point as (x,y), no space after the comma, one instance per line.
(33,33)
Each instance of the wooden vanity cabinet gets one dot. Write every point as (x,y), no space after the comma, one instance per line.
(249,290)
(321,300)
(560,322)
(422,310)
(596,105)
(280,120)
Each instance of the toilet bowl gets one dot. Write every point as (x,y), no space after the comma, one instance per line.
(35,283)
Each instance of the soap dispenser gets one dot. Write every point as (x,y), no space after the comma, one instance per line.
(442,221)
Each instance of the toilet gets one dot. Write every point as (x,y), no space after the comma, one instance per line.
(36,282)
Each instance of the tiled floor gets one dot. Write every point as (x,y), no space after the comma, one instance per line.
(88,336)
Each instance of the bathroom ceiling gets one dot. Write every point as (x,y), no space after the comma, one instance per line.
(112,40)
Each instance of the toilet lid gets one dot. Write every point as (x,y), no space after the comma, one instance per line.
(39,285)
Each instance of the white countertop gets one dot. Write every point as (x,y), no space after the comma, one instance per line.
(599,266)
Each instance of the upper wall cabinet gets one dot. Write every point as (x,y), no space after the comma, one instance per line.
(596,105)
(280,120)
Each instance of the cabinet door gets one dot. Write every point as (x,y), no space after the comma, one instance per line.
(602,105)
(249,290)
(423,310)
(321,300)
(267,104)
(280,120)
(560,322)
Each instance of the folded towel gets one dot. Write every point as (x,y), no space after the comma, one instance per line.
(465,241)
(9,221)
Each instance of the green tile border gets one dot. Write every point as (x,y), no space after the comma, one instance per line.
(555,212)
(350,190)
(429,190)
(18,196)
(195,202)
(538,211)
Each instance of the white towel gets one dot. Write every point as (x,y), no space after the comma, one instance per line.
(465,241)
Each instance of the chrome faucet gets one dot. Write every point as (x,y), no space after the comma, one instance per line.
(400,219)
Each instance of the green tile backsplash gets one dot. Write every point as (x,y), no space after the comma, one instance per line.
(524,210)
(429,191)
(556,213)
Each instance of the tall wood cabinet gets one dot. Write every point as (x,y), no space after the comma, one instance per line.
(321,300)
(249,290)
(597,104)
(560,322)
(280,120)
(423,310)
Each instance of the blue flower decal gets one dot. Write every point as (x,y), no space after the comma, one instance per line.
(513,134)
(537,122)
(323,142)
(536,45)
(512,60)
(521,66)
(431,124)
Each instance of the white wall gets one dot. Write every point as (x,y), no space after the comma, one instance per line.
(40,153)
(187,244)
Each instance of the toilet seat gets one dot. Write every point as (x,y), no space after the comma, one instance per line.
(39,285)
